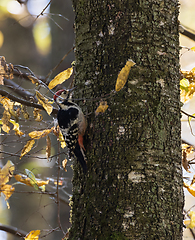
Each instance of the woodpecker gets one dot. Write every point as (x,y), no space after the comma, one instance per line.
(72,124)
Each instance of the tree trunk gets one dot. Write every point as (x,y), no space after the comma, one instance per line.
(133,187)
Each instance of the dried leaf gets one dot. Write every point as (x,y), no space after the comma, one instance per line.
(39,134)
(6,70)
(60,78)
(191,89)
(33,235)
(61,139)
(185,163)
(186,150)
(56,131)
(33,79)
(37,116)
(48,147)
(30,180)
(2,72)
(27,147)
(5,120)
(7,103)
(64,163)
(192,219)
(101,108)
(123,75)
(24,112)
(186,222)
(16,128)
(44,102)
(7,190)
(6,172)
(190,188)
(1,80)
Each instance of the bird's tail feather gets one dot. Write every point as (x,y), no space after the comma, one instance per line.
(80,157)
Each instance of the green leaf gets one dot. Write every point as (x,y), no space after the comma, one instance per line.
(33,180)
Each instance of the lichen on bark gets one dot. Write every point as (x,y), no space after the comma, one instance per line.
(134,181)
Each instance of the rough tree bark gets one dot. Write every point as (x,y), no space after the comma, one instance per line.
(133,188)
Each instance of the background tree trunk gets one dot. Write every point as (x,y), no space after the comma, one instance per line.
(133,188)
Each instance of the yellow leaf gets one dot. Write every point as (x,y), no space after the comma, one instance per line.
(30,180)
(16,128)
(61,139)
(33,235)
(191,188)
(48,147)
(191,89)
(192,70)
(5,121)
(39,134)
(190,118)
(2,72)
(64,163)
(6,172)
(24,112)
(7,190)
(23,179)
(123,75)
(60,78)
(37,116)
(33,79)
(192,219)
(101,108)
(27,148)
(44,102)
(1,78)
(6,70)
(186,222)
(6,102)
(192,48)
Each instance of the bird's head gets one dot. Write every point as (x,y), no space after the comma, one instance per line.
(62,95)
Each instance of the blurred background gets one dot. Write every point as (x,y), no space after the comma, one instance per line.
(40,43)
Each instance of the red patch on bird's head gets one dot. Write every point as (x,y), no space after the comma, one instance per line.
(58,93)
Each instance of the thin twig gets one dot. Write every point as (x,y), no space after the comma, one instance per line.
(18,89)
(43,10)
(25,102)
(187,114)
(29,155)
(49,74)
(32,75)
(52,230)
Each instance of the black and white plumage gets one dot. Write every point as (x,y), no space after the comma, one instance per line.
(72,124)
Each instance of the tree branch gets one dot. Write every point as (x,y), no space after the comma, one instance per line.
(183,30)
(19,90)
(13,230)
(187,114)
(25,102)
